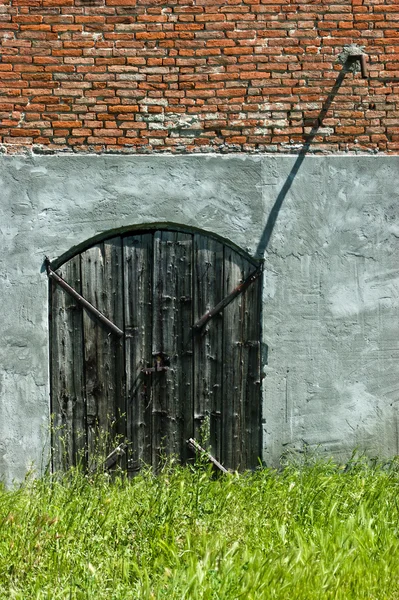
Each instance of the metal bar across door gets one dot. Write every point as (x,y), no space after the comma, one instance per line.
(229,298)
(88,306)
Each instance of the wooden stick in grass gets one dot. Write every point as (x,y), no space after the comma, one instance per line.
(195,446)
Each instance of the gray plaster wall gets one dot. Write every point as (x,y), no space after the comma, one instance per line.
(328,228)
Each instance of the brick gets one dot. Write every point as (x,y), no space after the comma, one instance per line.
(124,108)
(103,140)
(24,132)
(66,124)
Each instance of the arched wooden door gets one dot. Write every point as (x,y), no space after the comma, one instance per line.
(169,373)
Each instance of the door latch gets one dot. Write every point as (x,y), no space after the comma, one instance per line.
(161,363)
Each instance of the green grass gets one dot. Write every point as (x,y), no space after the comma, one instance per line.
(312,531)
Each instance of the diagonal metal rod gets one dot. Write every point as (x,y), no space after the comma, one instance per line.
(85,303)
(229,298)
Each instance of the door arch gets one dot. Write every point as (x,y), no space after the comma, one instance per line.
(177,365)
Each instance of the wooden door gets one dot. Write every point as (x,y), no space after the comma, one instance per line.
(164,380)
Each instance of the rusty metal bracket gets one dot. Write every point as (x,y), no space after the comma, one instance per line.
(229,298)
(85,303)
(362,60)
(157,369)
(354,58)
(161,364)
(358,55)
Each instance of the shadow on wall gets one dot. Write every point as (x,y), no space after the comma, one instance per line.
(271,221)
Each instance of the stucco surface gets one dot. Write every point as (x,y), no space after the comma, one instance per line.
(331,287)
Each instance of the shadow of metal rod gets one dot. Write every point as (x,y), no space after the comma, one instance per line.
(271,221)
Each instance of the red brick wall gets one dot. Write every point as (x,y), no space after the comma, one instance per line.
(196,75)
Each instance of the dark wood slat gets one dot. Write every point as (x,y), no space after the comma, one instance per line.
(102,287)
(163,384)
(172,304)
(208,363)
(251,396)
(236,269)
(114,306)
(67,383)
(138,327)
(184,399)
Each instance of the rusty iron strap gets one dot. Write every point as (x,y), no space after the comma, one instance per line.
(229,298)
(89,307)
(363,67)
(362,60)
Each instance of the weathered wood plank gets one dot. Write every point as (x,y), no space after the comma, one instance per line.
(114,308)
(138,326)
(184,399)
(67,383)
(163,384)
(236,269)
(251,390)
(208,363)
(102,287)
(172,343)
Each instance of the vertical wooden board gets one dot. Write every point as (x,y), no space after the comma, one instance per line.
(138,329)
(95,343)
(102,286)
(67,382)
(113,306)
(236,269)
(208,363)
(163,385)
(184,399)
(172,343)
(251,397)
